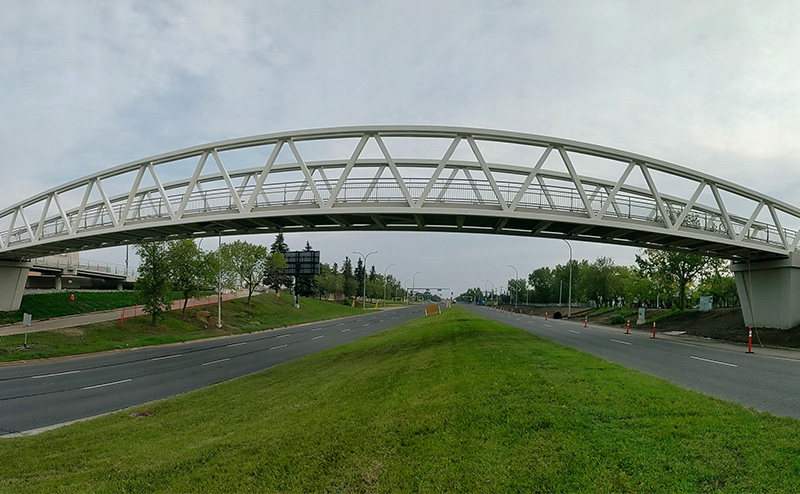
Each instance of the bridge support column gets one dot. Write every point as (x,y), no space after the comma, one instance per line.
(58,282)
(769,292)
(13,276)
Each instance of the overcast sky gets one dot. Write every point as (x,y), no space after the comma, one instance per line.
(86,85)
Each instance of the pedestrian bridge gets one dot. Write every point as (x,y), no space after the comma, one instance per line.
(403,178)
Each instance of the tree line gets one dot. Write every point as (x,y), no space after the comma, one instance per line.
(182,266)
(657,278)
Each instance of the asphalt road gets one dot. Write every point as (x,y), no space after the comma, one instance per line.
(768,383)
(39,395)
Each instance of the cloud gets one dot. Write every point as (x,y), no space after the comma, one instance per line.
(88,85)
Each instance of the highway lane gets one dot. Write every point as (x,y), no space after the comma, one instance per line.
(764,382)
(38,395)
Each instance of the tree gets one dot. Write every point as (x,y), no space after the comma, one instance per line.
(279,245)
(541,280)
(307,283)
(676,269)
(600,281)
(349,285)
(243,262)
(274,270)
(153,286)
(358,274)
(189,271)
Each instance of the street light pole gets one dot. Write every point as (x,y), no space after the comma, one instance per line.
(569,295)
(414,282)
(405,289)
(516,288)
(365,273)
(490,281)
(384,283)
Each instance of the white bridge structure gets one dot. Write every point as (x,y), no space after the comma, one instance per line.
(417,178)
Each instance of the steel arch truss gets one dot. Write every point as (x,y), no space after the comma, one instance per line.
(404,178)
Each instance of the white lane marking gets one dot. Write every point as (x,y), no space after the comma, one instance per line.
(236,344)
(573,331)
(381,320)
(548,326)
(166,357)
(107,384)
(364,326)
(316,329)
(318,337)
(283,335)
(620,341)
(279,346)
(714,361)
(217,361)
(345,330)
(340,324)
(56,374)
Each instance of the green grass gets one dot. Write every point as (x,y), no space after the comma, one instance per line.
(47,305)
(445,403)
(266,311)
(602,310)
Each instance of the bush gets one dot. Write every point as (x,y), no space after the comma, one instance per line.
(618,319)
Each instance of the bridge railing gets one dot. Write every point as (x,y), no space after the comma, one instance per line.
(555,198)
(420,182)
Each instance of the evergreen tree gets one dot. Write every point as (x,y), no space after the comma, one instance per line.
(372,274)
(307,283)
(279,245)
(350,286)
(359,276)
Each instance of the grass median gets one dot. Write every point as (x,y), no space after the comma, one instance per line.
(265,312)
(452,402)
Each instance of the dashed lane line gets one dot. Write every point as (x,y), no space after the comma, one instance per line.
(217,361)
(236,344)
(56,374)
(107,384)
(714,361)
(165,357)
(318,337)
(621,342)
(279,346)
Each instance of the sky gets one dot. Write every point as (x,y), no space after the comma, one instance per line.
(713,86)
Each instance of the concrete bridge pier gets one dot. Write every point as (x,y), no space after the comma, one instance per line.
(769,292)
(13,275)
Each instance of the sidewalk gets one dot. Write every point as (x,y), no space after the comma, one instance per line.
(106,315)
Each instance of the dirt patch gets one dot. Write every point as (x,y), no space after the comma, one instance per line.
(76,332)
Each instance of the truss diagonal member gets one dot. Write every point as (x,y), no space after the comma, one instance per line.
(613,194)
(11,226)
(306,173)
(395,172)
(576,181)
(474,186)
(488,172)
(498,227)
(259,186)
(27,224)
(795,241)
(656,196)
(445,159)
(726,219)
(689,205)
(161,191)
(346,172)
(227,177)
(40,226)
(778,225)
(123,217)
(189,188)
(374,182)
(63,213)
(527,183)
(546,192)
(447,184)
(82,207)
(750,221)
(109,209)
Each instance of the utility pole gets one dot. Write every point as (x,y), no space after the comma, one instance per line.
(365,273)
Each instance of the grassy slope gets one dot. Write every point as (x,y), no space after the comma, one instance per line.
(266,311)
(46,305)
(450,402)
